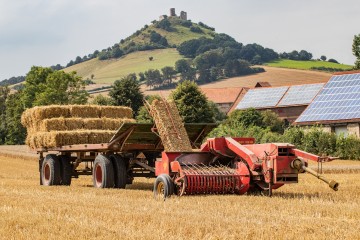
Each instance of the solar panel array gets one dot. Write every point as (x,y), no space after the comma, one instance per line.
(262,98)
(301,94)
(338,100)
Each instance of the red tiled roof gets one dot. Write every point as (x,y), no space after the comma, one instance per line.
(262,84)
(222,95)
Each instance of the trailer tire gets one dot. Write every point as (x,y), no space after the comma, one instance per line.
(163,187)
(103,172)
(50,170)
(120,170)
(66,170)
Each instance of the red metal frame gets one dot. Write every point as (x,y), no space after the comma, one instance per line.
(267,165)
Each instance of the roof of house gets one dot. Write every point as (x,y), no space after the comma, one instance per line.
(337,102)
(271,97)
(222,95)
(262,84)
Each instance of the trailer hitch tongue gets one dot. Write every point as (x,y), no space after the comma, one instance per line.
(299,165)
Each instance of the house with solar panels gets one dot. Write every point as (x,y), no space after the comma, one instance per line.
(287,101)
(337,106)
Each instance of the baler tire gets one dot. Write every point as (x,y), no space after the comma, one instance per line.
(257,191)
(163,187)
(50,171)
(103,172)
(120,171)
(66,170)
(129,177)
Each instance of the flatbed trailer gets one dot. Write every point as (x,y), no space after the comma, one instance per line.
(130,153)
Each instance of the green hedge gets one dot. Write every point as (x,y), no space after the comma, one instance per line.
(266,127)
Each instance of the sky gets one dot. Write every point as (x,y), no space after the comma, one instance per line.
(50,32)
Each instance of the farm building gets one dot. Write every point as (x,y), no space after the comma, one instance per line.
(287,101)
(262,84)
(224,97)
(337,106)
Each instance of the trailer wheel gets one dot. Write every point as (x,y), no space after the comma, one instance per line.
(103,172)
(120,171)
(50,170)
(163,187)
(66,170)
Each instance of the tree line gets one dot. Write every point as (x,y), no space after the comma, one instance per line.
(208,67)
(12,81)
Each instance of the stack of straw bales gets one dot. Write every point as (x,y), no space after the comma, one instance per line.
(170,126)
(55,126)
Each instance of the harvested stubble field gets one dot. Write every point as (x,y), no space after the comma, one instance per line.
(308,210)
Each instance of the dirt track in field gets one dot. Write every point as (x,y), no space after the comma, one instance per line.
(275,76)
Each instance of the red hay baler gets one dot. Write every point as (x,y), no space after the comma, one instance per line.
(233,166)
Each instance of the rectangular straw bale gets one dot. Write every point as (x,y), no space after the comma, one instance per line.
(28,121)
(60,138)
(38,140)
(114,124)
(73,137)
(74,124)
(84,111)
(100,136)
(170,127)
(93,123)
(30,140)
(31,118)
(52,111)
(116,112)
(26,118)
(52,124)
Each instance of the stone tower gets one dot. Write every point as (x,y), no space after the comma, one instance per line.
(172,12)
(183,15)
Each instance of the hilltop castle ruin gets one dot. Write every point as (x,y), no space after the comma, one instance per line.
(183,15)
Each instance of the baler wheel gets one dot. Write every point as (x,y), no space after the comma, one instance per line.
(163,187)
(256,190)
(103,172)
(120,171)
(66,170)
(50,170)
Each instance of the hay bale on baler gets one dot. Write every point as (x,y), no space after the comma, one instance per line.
(170,126)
